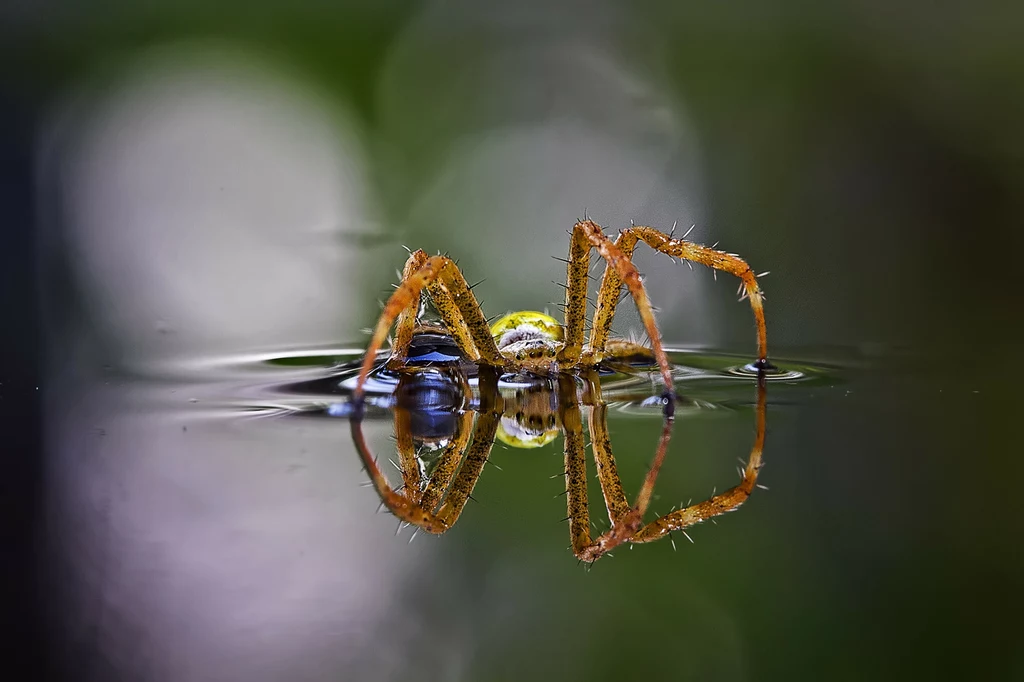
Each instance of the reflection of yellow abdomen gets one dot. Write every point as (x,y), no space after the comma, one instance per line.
(511,433)
(531,418)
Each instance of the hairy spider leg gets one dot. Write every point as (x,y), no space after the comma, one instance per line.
(420,509)
(406,322)
(407,462)
(444,469)
(625,520)
(455,304)
(576,285)
(491,409)
(611,284)
(472,466)
(628,275)
(402,506)
(724,502)
(447,464)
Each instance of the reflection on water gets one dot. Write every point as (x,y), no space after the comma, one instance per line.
(445,432)
(447,416)
(225,493)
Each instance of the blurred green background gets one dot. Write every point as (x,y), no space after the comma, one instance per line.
(870,156)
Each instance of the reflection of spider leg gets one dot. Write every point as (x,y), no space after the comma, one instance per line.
(447,464)
(454,302)
(611,284)
(723,502)
(407,462)
(402,506)
(476,457)
(410,504)
(625,520)
(444,469)
(611,484)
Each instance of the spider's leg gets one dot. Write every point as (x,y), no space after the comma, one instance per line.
(576,480)
(622,264)
(723,502)
(491,409)
(404,296)
(401,506)
(447,464)
(719,260)
(406,323)
(472,466)
(608,299)
(626,520)
(626,354)
(407,462)
(611,484)
(577,276)
(448,309)
(459,309)
(455,303)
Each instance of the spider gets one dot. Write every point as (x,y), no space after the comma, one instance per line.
(434,408)
(534,343)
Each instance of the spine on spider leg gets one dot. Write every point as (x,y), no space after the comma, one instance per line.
(631,278)
(721,503)
(409,290)
(719,260)
(466,317)
(610,295)
(406,322)
(577,279)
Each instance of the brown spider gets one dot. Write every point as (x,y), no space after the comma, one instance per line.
(432,499)
(533,343)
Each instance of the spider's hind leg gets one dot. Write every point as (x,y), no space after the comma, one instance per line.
(719,260)
(620,272)
(620,261)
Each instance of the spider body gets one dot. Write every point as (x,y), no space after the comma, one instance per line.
(531,342)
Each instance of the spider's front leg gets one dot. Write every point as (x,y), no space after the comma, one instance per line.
(455,303)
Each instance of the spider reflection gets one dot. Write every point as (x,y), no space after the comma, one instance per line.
(436,411)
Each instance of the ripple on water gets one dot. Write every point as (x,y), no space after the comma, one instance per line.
(319,382)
